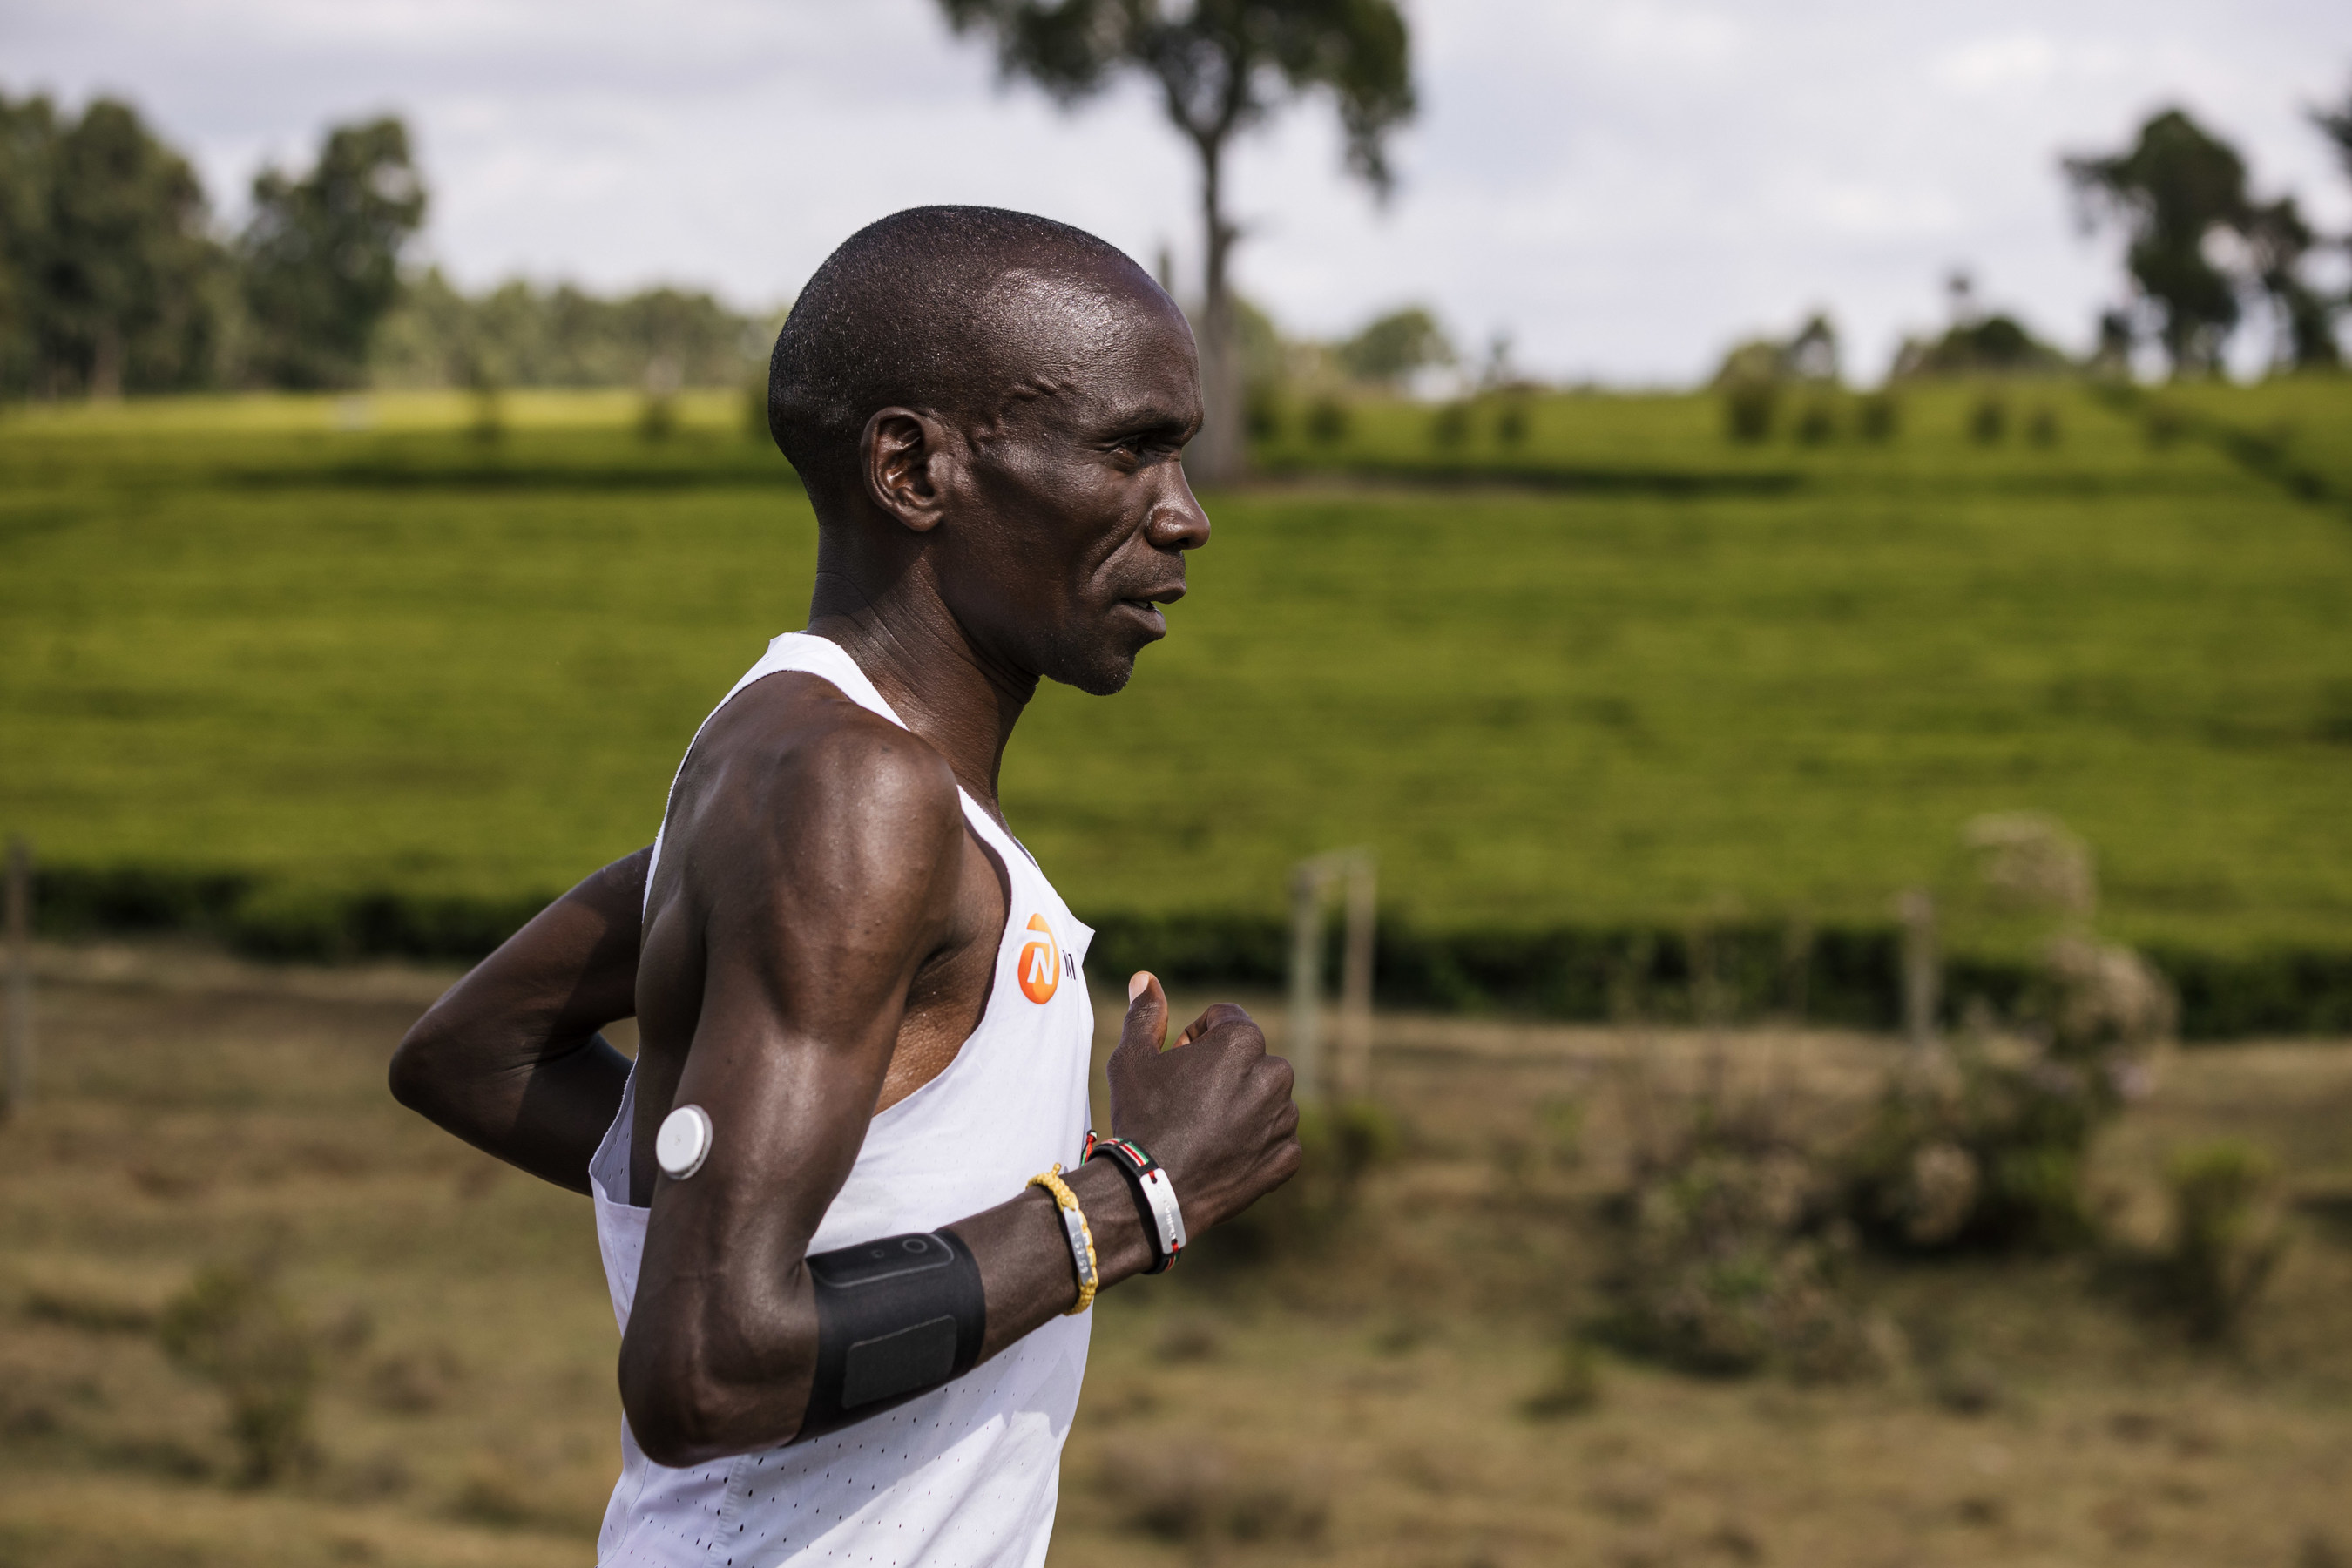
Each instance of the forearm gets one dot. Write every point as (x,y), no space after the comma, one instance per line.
(532,1104)
(509,1060)
(724,1361)
(1025,1255)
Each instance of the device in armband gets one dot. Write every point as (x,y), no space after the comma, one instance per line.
(1154,1195)
(894,1318)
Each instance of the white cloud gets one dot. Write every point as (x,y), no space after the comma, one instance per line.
(2013,61)
(1625,184)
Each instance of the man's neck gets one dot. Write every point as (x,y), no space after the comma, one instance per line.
(948,691)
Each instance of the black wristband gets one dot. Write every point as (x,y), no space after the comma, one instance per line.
(894,1318)
(1132,1163)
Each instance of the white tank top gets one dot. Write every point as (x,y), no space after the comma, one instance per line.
(968,1474)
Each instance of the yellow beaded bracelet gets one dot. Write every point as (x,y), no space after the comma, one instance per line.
(1081,1235)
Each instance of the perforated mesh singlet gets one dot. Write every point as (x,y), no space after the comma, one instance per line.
(969,1473)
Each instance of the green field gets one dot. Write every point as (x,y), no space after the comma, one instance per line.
(1644,673)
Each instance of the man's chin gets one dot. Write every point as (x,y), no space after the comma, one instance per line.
(1103,678)
(1098,664)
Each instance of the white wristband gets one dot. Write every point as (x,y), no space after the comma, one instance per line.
(1160,1193)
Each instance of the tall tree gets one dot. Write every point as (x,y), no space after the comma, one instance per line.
(2175,189)
(2278,239)
(2335,124)
(28,146)
(110,264)
(321,255)
(1222,66)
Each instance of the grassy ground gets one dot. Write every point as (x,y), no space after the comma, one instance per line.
(1366,1407)
(343,645)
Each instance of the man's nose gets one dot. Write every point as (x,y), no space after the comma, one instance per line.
(1177,521)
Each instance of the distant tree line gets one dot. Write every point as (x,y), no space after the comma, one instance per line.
(116,279)
(2201,255)
(519,334)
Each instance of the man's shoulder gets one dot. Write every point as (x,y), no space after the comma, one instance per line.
(792,759)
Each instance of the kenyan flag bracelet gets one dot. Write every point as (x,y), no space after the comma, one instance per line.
(1155,1197)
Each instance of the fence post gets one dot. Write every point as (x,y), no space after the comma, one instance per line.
(20,973)
(1923,971)
(1355,1074)
(1306,979)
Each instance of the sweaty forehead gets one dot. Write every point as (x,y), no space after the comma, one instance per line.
(1052,332)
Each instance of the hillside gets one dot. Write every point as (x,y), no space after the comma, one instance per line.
(1621,669)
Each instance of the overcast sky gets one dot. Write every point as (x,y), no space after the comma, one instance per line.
(1623,185)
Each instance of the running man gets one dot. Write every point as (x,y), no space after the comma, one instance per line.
(841,1198)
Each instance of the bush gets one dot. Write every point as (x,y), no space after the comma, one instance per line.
(1327,421)
(1879,417)
(657,417)
(1449,427)
(1193,1494)
(1573,1387)
(1750,407)
(234,1328)
(1983,1145)
(1818,424)
(1989,420)
(1848,975)
(487,427)
(1511,423)
(1731,1255)
(1262,412)
(2042,425)
(2226,1238)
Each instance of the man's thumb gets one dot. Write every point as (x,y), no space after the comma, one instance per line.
(1147,1013)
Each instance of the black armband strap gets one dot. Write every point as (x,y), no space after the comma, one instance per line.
(894,1318)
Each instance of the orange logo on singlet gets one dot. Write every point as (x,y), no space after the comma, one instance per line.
(1040,969)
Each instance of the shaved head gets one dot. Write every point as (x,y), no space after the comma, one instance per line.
(951,311)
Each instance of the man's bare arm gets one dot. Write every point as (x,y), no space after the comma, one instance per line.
(812,917)
(509,1058)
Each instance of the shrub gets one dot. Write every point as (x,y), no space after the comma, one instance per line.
(1192,1493)
(1749,408)
(1449,427)
(488,425)
(1328,420)
(232,1328)
(494,1494)
(1511,423)
(2226,1238)
(2042,425)
(1731,1257)
(1983,1145)
(1262,412)
(1818,424)
(657,417)
(1989,420)
(1878,416)
(1572,1388)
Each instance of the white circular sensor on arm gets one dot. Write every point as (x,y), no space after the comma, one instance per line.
(682,1142)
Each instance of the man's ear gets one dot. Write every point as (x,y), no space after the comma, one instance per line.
(908,461)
